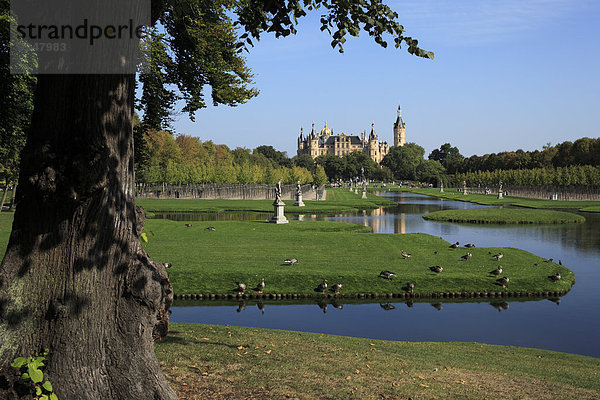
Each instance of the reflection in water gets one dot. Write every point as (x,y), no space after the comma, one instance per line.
(387,306)
(437,306)
(499,305)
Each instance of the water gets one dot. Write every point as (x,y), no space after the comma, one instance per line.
(571,326)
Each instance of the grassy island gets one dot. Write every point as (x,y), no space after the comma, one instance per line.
(210,262)
(505,216)
(225,362)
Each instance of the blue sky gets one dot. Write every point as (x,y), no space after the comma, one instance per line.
(506,75)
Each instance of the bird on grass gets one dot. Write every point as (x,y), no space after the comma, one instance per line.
(405,254)
(261,285)
(454,245)
(336,288)
(241,287)
(188,225)
(469,245)
(467,256)
(559,262)
(549,260)
(387,274)
(497,271)
(290,261)
(498,256)
(168,265)
(322,286)
(211,228)
(503,281)
(556,277)
(437,269)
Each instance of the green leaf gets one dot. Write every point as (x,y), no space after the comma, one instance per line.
(38,391)
(53,396)
(48,386)
(25,376)
(43,397)
(35,374)
(144,237)
(18,362)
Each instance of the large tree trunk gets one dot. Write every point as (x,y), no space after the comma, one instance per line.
(75,278)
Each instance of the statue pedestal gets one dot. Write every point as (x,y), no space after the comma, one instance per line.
(364,194)
(278,217)
(299,201)
(355,190)
(350,186)
(500,195)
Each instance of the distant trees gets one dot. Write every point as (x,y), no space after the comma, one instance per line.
(448,156)
(186,159)
(586,175)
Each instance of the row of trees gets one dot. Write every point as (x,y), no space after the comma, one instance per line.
(586,175)
(186,159)
(583,151)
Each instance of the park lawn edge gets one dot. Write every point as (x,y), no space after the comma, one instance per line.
(492,200)
(231,362)
(505,216)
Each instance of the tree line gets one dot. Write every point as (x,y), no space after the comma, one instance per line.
(184,159)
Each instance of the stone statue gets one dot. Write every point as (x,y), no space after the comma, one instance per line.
(298,189)
(362,173)
(278,191)
(500,186)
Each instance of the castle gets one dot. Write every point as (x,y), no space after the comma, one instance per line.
(327,143)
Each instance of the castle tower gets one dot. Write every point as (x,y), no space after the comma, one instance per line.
(399,130)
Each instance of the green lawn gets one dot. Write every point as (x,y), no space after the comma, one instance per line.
(505,216)
(212,261)
(338,200)
(225,362)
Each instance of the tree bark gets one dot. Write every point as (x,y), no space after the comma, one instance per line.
(75,278)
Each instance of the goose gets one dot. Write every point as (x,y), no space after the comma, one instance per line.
(467,256)
(336,288)
(405,254)
(387,306)
(241,287)
(498,256)
(503,281)
(559,262)
(437,269)
(555,277)
(497,271)
(211,228)
(188,225)
(454,245)
(469,245)
(168,265)
(290,261)
(322,286)
(437,306)
(387,274)
(549,260)
(261,285)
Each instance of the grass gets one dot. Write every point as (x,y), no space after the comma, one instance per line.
(212,261)
(505,216)
(210,362)
(493,200)
(6,219)
(338,200)
(590,209)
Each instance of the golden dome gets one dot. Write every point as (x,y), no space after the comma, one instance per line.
(326,130)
